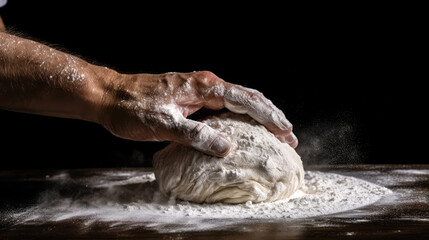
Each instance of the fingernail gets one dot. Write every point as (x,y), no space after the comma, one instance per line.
(294,144)
(292,140)
(286,124)
(220,147)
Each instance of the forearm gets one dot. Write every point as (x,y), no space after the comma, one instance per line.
(35,78)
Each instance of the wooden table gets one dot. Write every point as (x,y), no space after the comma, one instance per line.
(406,216)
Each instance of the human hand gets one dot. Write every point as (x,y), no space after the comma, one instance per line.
(140,107)
(154,107)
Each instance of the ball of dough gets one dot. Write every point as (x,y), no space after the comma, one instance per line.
(259,167)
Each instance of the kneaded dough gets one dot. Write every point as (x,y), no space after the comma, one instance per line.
(259,167)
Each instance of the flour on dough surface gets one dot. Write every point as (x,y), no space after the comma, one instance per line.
(259,167)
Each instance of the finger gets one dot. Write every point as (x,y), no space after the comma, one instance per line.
(202,137)
(252,102)
(290,138)
(218,94)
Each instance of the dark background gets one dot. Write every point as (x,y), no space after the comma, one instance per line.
(347,77)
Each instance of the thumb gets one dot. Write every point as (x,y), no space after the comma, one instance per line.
(202,137)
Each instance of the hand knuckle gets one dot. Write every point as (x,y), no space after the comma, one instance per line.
(206,76)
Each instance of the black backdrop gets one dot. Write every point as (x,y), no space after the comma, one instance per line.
(346,77)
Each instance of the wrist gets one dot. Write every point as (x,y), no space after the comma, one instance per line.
(100,92)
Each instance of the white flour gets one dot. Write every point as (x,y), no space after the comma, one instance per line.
(259,167)
(132,199)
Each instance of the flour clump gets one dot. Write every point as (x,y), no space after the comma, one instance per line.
(259,167)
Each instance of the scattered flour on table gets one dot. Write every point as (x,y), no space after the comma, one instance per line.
(132,199)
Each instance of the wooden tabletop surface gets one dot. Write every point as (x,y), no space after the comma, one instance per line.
(404,216)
